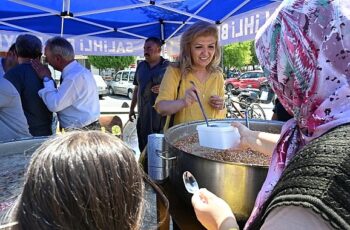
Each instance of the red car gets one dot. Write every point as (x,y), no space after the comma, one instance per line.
(249,79)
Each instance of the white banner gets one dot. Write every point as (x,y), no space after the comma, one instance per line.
(242,27)
(86,45)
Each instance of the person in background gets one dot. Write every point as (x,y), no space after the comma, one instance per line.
(305,51)
(80,180)
(279,112)
(76,100)
(13,122)
(148,76)
(198,70)
(9,61)
(27,83)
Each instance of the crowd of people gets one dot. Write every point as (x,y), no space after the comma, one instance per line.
(304,50)
(90,180)
(28,88)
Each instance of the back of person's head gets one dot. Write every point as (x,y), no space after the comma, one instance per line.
(155,40)
(60,46)
(81,180)
(11,58)
(198,29)
(12,48)
(28,46)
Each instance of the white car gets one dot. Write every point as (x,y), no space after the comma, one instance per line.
(122,83)
(101,86)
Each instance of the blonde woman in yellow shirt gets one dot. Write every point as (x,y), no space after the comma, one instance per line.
(199,63)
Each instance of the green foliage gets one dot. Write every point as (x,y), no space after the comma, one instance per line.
(255,60)
(237,55)
(117,63)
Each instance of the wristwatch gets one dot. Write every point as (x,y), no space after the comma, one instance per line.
(47,79)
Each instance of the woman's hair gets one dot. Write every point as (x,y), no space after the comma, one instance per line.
(81,180)
(198,29)
(60,46)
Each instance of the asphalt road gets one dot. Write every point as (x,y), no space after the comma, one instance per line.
(119,105)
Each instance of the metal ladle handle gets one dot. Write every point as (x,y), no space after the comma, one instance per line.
(200,104)
(158,153)
(246,118)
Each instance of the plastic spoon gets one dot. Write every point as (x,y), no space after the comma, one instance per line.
(201,106)
(190,182)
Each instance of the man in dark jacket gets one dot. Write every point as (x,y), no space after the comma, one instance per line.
(148,76)
(27,83)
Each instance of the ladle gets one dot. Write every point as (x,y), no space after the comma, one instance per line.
(190,182)
(201,106)
(246,114)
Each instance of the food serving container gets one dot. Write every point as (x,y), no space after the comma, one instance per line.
(218,136)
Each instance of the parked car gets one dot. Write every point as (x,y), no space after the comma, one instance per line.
(101,86)
(232,74)
(122,83)
(249,79)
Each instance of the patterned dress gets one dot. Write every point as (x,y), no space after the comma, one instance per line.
(304,50)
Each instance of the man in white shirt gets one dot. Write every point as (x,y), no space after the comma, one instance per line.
(76,100)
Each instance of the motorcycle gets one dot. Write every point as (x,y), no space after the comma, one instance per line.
(264,95)
(237,109)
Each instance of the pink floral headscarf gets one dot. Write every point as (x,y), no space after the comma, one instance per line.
(304,49)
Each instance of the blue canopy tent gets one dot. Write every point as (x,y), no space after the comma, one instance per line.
(119,27)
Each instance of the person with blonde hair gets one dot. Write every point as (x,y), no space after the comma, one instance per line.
(81,180)
(197,70)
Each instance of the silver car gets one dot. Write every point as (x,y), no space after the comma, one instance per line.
(101,86)
(122,83)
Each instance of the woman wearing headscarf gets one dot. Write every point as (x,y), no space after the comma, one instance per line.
(304,50)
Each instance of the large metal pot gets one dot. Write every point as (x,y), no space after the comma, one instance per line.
(236,183)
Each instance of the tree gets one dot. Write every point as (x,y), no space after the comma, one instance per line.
(237,55)
(255,60)
(117,63)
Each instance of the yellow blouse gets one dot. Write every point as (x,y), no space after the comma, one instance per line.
(214,85)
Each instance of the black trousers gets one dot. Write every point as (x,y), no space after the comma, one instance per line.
(93,126)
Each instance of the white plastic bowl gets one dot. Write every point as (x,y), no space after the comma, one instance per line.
(220,136)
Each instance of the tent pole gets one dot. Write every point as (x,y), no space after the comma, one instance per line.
(188,19)
(65,8)
(62,26)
